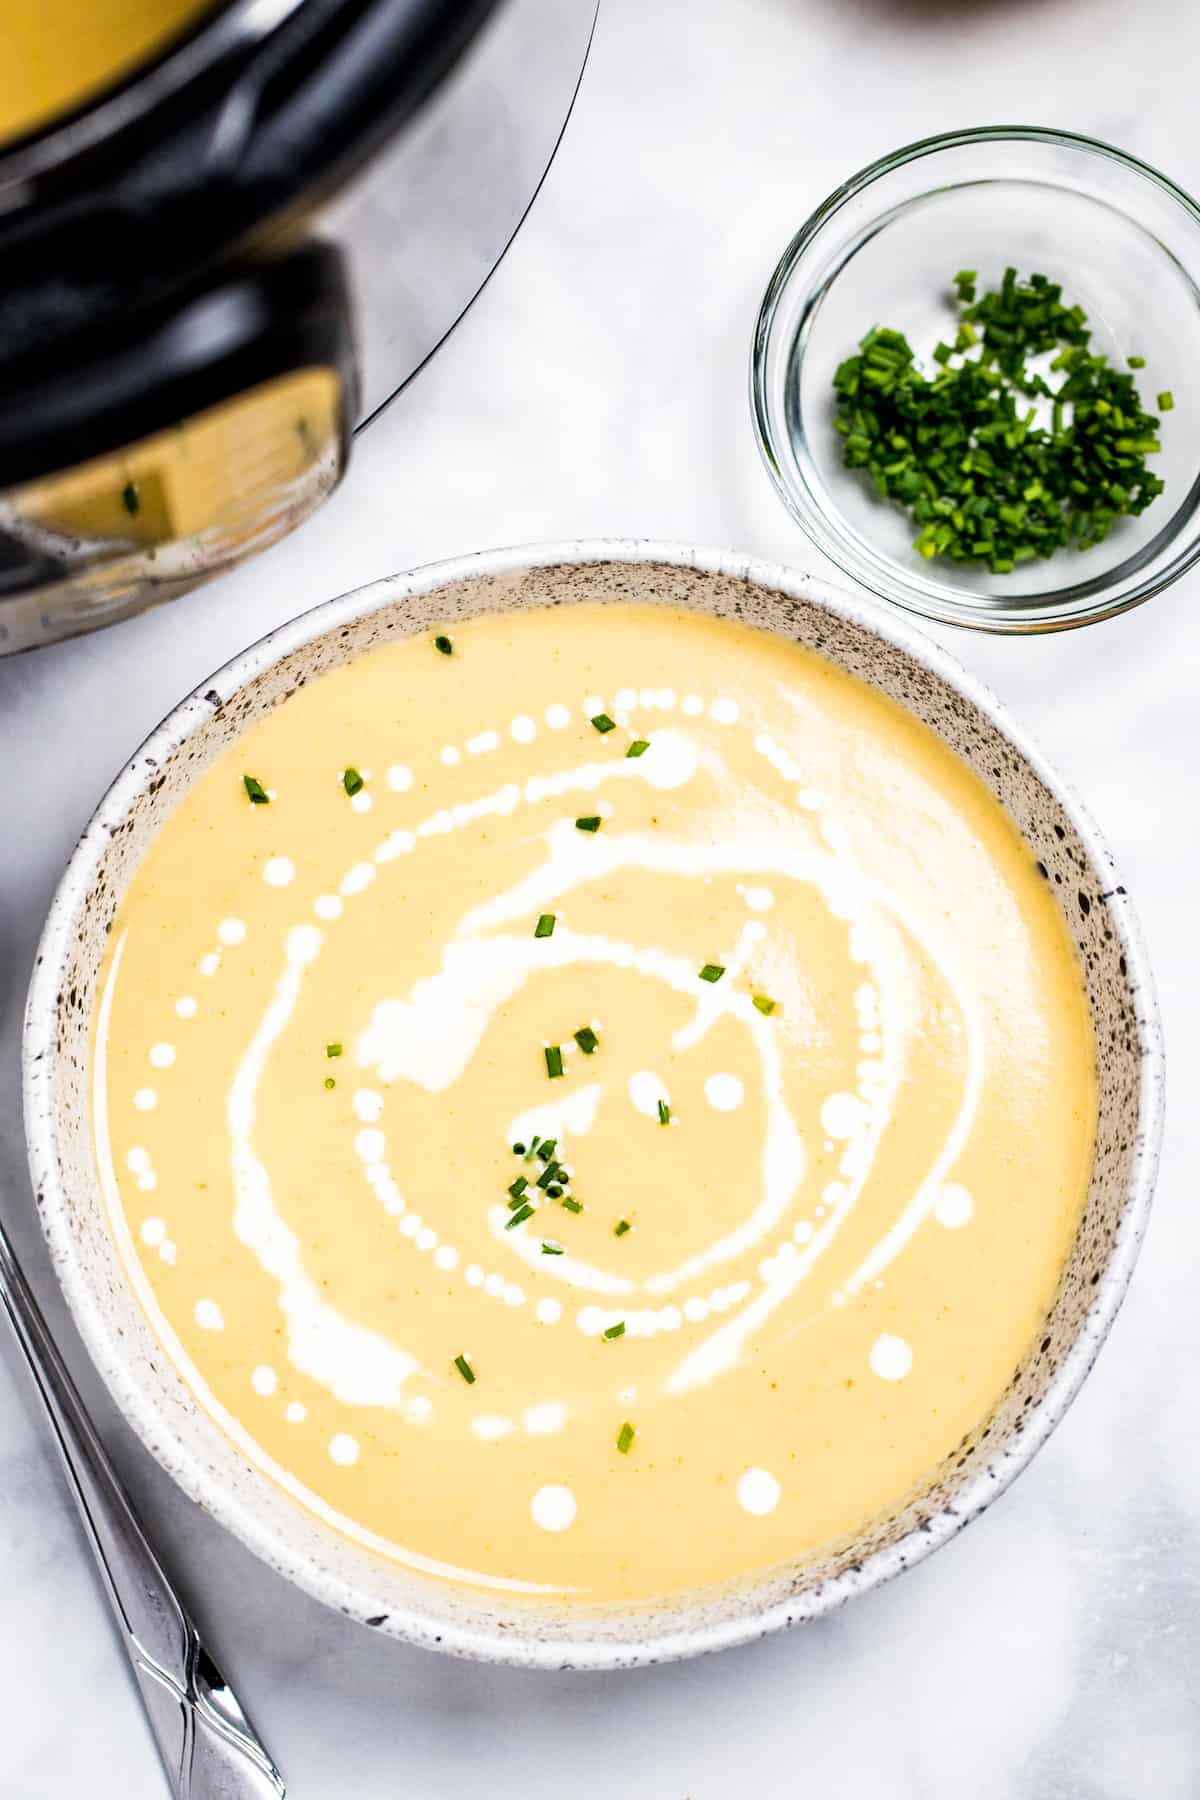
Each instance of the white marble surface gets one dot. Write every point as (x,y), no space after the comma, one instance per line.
(1051,1653)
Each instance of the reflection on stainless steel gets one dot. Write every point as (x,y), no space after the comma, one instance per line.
(85,546)
(427,222)
(209,1749)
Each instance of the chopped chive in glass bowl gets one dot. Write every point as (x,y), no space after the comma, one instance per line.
(882,252)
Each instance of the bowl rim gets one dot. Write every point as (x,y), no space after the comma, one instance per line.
(899,591)
(745,1617)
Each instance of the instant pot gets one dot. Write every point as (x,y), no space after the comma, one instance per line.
(224,263)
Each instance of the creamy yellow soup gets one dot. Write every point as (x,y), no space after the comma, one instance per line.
(55,54)
(610,1116)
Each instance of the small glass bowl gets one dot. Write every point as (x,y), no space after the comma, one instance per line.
(1125,244)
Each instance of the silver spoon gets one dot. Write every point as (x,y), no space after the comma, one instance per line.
(209,1748)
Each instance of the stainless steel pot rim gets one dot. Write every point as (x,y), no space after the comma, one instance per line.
(735,1620)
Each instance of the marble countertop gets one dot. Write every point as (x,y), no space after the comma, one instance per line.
(599,387)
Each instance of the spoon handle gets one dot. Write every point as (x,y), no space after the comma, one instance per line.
(209,1749)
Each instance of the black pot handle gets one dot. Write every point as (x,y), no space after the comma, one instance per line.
(172,444)
(146,371)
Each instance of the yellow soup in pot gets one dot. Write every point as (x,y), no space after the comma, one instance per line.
(597,1108)
(56,54)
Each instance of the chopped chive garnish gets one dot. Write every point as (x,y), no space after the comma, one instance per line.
(333,1049)
(544,926)
(998,461)
(330,1082)
(625,1436)
(518,1187)
(548,1174)
(621,1227)
(591,823)
(664,1113)
(587,1040)
(1166,401)
(545,1149)
(712,971)
(131,500)
(523,1212)
(465,1370)
(554,1191)
(603,723)
(533,1144)
(443,644)
(518,1149)
(551,1248)
(638,747)
(351,780)
(615,1331)
(255,790)
(765,1004)
(554,1061)
(572,1206)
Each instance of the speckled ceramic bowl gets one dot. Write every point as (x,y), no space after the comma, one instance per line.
(873,645)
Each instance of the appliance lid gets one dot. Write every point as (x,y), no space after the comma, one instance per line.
(137,66)
(227,139)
